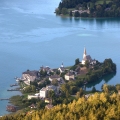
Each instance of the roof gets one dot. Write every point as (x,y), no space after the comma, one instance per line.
(69,74)
(51,87)
(31,73)
(87,57)
(77,69)
(47,68)
(49,106)
(54,77)
(62,68)
(43,89)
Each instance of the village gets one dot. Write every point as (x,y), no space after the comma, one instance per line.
(46,87)
(56,78)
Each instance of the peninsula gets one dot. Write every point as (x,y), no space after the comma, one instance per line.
(48,87)
(89,8)
(52,93)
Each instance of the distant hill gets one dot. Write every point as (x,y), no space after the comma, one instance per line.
(89,8)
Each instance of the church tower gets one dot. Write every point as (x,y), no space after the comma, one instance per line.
(85,53)
(86,57)
(62,65)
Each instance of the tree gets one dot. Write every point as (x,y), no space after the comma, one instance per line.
(105,88)
(40,104)
(47,81)
(93,89)
(79,94)
(54,82)
(70,13)
(51,94)
(58,72)
(64,11)
(77,61)
(118,87)
(87,64)
(76,14)
(104,4)
(57,11)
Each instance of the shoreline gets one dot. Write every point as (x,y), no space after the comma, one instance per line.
(83,85)
(67,16)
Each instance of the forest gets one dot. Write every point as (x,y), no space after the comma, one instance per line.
(89,8)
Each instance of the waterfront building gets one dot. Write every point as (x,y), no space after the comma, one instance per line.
(30,76)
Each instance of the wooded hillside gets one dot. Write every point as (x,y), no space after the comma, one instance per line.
(89,8)
(97,107)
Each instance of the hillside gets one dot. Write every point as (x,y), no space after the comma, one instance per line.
(97,107)
(89,8)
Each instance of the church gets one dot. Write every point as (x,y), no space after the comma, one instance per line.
(86,57)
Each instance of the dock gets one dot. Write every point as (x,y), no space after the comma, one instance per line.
(4,99)
(20,79)
(14,85)
(13,90)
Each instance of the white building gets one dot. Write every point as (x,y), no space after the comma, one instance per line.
(32,96)
(43,93)
(69,76)
(61,69)
(86,57)
(30,76)
(44,90)
(54,77)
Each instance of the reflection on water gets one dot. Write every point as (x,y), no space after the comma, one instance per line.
(106,79)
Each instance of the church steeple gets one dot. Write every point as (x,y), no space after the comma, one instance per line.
(62,65)
(85,53)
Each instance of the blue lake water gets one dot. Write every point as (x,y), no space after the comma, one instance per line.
(31,35)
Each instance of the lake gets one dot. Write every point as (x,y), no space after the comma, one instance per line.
(31,35)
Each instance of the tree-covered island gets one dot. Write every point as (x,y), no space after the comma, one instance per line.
(58,89)
(89,8)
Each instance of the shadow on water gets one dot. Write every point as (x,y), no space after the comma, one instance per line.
(106,79)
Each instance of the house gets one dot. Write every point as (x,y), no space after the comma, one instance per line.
(61,68)
(93,62)
(32,106)
(69,76)
(46,69)
(43,93)
(11,108)
(47,100)
(52,87)
(77,70)
(32,96)
(30,76)
(44,90)
(54,77)
(49,106)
